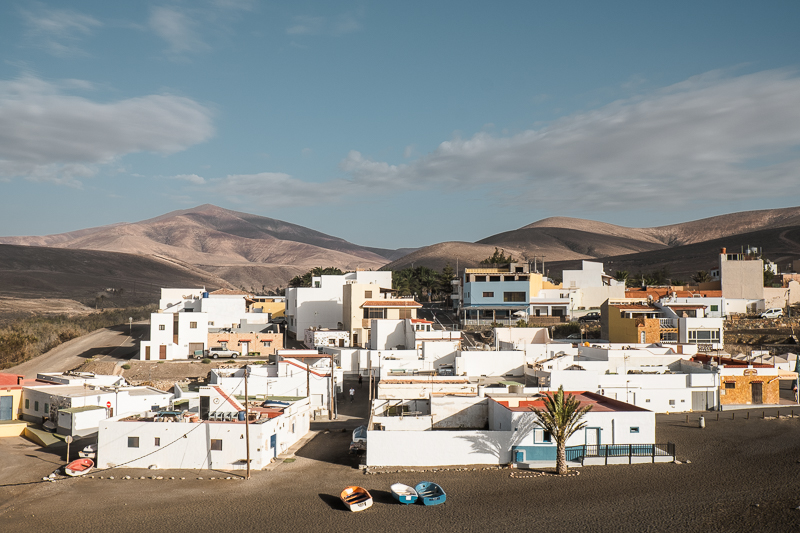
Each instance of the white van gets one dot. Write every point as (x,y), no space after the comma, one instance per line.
(775,312)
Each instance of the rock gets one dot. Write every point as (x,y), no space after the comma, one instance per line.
(183,478)
(688,462)
(160,477)
(677,462)
(110,477)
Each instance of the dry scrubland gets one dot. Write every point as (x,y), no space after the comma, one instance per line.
(24,339)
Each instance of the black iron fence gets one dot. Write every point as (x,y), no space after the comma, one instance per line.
(580,453)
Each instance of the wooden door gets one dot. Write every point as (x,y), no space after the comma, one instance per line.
(162,351)
(146,353)
(757,388)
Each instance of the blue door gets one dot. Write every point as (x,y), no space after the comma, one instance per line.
(519,456)
(6,407)
(273,442)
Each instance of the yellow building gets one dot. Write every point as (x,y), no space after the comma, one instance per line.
(269,304)
(10,406)
(632,322)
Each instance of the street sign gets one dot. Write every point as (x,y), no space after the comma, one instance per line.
(108,404)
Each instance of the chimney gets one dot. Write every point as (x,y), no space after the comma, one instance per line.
(723,251)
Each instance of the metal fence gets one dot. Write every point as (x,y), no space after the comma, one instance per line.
(579,453)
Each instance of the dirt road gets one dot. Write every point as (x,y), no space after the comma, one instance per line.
(111,344)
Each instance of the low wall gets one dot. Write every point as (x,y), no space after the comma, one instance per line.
(438,448)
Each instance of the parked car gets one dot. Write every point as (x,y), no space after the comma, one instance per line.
(774,312)
(216,353)
(590,317)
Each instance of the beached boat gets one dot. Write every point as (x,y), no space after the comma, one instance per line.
(356,498)
(89,451)
(360,434)
(404,493)
(79,467)
(430,493)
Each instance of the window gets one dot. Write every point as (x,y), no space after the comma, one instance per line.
(211,323)
(488,295)
(266,344)
(367,294)
(223,345)
(192,325)
(405,313)
(714,308)
(133,442)
(27,404)
(513,296)
(672,403)
(374,313)
(157,441)
(216,444)
(703,336)
(480,278)
(546,437)
(35,406)
(647,400)
(161,327)
(730,384)
(635,429)
(494,278)
(47,408)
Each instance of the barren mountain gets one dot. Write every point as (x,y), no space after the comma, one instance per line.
(247,250)
(562,239)
(87,275)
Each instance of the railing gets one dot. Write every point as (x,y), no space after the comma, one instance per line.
(580,453)
(486,321)
(670,323)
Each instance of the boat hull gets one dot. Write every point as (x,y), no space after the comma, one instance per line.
(404,493)
(79,467)
(430,493)
(356,499)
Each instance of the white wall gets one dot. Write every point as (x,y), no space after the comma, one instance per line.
(438,448)
(480,363)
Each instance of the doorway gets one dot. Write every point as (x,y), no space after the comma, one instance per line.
(756,389)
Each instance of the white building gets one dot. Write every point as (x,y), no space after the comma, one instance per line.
(440,430)
(143,442)
(185,316)
(76,409)
(320,305)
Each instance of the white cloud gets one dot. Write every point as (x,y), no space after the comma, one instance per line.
(178,28)
(58,31)
(711,136)
(48,135)
(306,26)
(191,178)
(276,189)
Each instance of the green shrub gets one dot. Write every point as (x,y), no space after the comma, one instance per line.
(126,366)
(206,361)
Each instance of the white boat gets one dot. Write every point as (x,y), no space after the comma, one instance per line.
(89,451)
(404,493)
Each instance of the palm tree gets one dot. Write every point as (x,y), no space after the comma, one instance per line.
(561,417)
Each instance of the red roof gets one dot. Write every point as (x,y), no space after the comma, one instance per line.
(420,321)
(391,303)
(10,379)
(681,307)
(599,403)
(658,293)
(635,307)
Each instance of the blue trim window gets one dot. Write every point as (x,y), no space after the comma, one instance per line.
(635,429)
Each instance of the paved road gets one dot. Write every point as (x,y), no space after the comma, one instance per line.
(111,344)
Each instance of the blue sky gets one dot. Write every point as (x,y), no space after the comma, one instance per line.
(397,124)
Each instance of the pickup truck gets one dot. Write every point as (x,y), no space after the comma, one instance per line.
(216,353)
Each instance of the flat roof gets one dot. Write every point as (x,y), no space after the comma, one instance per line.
(81,409)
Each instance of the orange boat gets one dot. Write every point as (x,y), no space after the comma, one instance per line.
(79,467)
(356,498)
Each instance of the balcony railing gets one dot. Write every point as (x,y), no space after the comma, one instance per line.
(668,323)
(604,451)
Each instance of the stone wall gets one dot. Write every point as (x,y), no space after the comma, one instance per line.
(741,394)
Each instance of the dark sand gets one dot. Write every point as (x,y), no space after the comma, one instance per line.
(744,475)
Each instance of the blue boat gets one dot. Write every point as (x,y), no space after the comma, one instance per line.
(404,493)
(430,493)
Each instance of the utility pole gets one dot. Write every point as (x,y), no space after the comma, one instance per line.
(247,420)
(330,411)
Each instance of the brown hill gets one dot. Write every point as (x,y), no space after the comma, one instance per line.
(562,239)
(247,250)
(87,275)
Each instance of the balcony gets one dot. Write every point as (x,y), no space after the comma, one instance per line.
(668,323)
